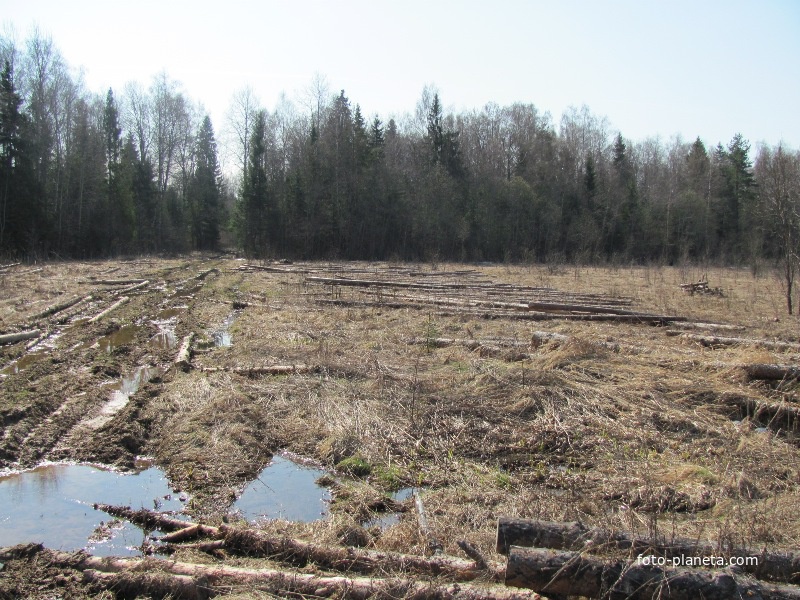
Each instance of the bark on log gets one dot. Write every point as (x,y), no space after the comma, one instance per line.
(642,318)
(148,574)
(111,308)
(265,370)
(573,574)
(13,338)
(709,326)
(57,308)
(136,584)
(300,553)
(537,339)
(131,288)
(187,533)
(194,578)
(774,566)
(184,358)
(712,341)
(768,372)
(113,281)
(149,519)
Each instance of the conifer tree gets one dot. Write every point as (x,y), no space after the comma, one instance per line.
(204,190)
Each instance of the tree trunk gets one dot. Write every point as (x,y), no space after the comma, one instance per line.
(713,341)
(251,542)
(57,308)
(133,576)
(184,358)
(574,574)
(111,308)
(774,566)
(13,338)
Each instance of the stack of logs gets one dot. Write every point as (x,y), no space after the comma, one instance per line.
(701,287)
(556,559)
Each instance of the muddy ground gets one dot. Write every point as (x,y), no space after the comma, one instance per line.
(441,385)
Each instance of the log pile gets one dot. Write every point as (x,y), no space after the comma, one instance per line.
(338,572)
(555,559)
(464,296)
(701,287)
(134,577)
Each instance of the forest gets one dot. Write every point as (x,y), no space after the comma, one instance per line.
(132,171)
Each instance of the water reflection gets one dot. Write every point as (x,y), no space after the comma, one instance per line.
(285,489)
(52,504)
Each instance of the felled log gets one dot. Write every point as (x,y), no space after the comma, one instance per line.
(113,281)
(129,583)
(57,308)
(149,519)
(196,579)
(264,370)
(13,338)
(537,339)
(132,287)
(774,566)
(184,358)
(574,574)
(770,372)
(712,341)
(299,553)
(709,326)
(110,309)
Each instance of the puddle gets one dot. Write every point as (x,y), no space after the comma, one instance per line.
(23,362)
(52,504)
(121,337)
(171,313)
(120,396)
(222,337)
(285,489)
(187,292)
(386,520)
(165,338)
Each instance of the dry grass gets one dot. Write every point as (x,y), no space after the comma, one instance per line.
(639,439)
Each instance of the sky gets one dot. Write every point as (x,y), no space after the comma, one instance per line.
(707,68)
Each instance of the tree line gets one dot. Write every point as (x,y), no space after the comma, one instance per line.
(88,175)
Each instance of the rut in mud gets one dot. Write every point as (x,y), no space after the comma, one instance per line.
(497,391)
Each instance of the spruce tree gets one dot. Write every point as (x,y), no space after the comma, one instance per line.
(19,191)
(204,190)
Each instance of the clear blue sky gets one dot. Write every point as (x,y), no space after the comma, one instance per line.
(688,67)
